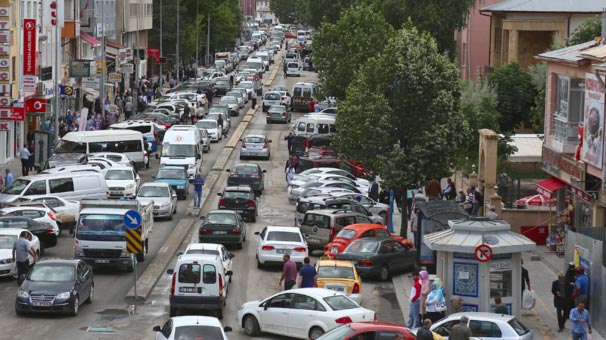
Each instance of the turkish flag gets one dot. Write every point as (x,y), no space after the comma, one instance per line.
(35,105)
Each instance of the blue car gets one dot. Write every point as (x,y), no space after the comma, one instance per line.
(176,177)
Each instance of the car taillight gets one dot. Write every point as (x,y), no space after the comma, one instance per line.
(267,113)
(332,233)
(265,145)
(51,216)
(50,230)
(365,262)
(220,285)
(204,231)
(235,231)
(254,175)
(355,289)
(284,114)
(243,144)
(233,175)
(345,319)
(222,203)
(306,143)
(300,249)
(251,203)
(172,285)
(268,248)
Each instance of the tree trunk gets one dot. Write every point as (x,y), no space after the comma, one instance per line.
(404,205)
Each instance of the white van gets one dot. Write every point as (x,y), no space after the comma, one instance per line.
(67,185)
(182,145)
(302,95)
(147,128)
(310,125)
(126,142)
(198,282)
(293,69)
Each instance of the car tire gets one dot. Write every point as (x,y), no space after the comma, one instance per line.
(91,295)
(170,217)
(315,332)
(260,265)
(130,268)
(253,219)
(18,312)
(172,312)
(175,210)
(384,273)
(251,325)
(239,245)
(75,306)
(267,122)
(220,314)
(268,157)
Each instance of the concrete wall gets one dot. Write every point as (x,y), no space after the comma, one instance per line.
(527,217)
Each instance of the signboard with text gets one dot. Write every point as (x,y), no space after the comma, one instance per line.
(12,113)
(79,68)
(127,68)
(29,46)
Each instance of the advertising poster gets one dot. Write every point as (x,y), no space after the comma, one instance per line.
(593,133)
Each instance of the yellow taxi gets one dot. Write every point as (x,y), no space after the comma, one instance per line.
(340,276)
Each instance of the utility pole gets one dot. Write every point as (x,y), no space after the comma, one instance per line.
(177,52)
(197,41)
(161,54)
(57,73)
(102,80)
(208,39)
(138,58)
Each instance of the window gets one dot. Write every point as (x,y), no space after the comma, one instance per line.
(301,127)
(323,128)
(61,185)
(340,302)
(210,274)
(319,221)
(484,329)
(369,233)
(280,301)
(362,219)
(305,302)
(501,283)
(307,92)
(167,328)
(50,201)
(310,127)
(36,188)
(33,214)
(190,273)
(297,90)
(382,233)
(345,221)
(569,107)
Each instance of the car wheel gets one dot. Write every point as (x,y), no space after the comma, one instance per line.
(130,268)
(91,295)
(268,157)
(315,332)
(239,245)
(172,312)
(220,314)
(253,219)
(251,325)
(267,122)
(175,210)
(75,306)
(384,273)
(259,264)
(230,278)
(170,217)
(42,249)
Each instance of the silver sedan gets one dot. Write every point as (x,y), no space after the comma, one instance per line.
(255,146)
(164,198)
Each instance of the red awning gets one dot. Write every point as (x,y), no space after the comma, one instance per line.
(547,186)
(114,44)
(90,39)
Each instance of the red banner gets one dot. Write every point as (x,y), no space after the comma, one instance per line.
(29,46)
(12,113)
(35,105)
(153,52)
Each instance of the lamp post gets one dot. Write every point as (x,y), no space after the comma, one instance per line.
(161,54)
(177,52)
(102,80)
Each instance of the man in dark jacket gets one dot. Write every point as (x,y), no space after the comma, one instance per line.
(373,192)
(424,333)
(561,300)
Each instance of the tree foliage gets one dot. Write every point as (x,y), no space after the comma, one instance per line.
(587,31)
(538,75)
(515,95)
(340,49)
(288,11)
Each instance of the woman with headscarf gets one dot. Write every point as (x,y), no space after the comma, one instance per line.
(435,302)
(425,290)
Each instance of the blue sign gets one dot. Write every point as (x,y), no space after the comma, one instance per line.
(132,219)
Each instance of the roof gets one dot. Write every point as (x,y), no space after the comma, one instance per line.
(546,6)
(442,211)
(375,325)
(196,320)
(154,184)
(204,246)
(365,226)
(318,292)
(334,263)
(570,54)
(529,148)
(465,235)
(597,52)
(481,315)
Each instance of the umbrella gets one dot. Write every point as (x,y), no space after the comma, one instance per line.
(537,200)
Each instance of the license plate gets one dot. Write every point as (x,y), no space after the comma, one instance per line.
(116,192)
(155,212)
(335,250)
(101,261)
(188,290)
(219,232)
(283,251)
(42,303)
(336,289)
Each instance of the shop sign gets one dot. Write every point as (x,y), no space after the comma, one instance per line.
(4,126)
(79,68)
(565,168)
(12,113)
(153,52)
(4,49)
(5,37)
(29,46)
(581,194)
(114,77)
(499,266)
(66,90)
(127,68)
(125,55)
(91,83)
(4,11)
(29,83)
(5,63)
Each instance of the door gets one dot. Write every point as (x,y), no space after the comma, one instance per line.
(485,329)
(304,310)
(188,280)
(84,277)
(390,257)
(406,256)
(274,318)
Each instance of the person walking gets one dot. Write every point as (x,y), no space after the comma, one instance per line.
(581,287)
(284,67)
(373,191)
(290,173)
(307,275)
(424,333)
(289,139)
(24,156)
(22,249)
(289,273)
(8,179)
(460,331)
(2,182)
(198,184)
(254,99)
(414,320)
(128,108)
(581,324)
(477,200)
(425,290)
(435,302)
(560,300)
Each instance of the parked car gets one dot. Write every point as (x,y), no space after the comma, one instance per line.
(241,199)
(485,326)
(232,103)
(40,213)
(306,204)
(67,211)
(278,113)
(369,330)
(255,145)
(56,286)
(205,139)
(222,85)
(373,206)
(379,257)
(294,192)
(122,181)
(357,231)
(8,237)
(63,159)
(44,231)
(223,227)
(340,276)
(275,241)
(321,226)
(247,174)
(163,196)
(323,310)
(191,327)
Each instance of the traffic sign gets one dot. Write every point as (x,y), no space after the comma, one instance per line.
(132,219)
(483,253)
(134,245)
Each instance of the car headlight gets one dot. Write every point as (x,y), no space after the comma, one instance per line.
(79,252)
(6,261)
(64,296)
(22,294)
(130,186)
(180,186)
(124,253)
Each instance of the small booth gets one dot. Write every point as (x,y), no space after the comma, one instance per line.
(479,259)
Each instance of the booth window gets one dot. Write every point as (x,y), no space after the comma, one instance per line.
(501,283)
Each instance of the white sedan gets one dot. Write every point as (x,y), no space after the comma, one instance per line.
(67,212)
(212,249)
(113,156)
(38,213)
(274,241)
(191,327)
(122,181)
(8,237)
(163,196)
(304,313)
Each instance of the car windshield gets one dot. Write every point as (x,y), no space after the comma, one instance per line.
(284,236)
(202,251)
(347,233)
(101,223)
(16,187)
(178,150)
(222,82)
(272,96)
(244,170)
(340,302)
(229,100)
(221,218)
(222,109)
(329,271)
(119,175)
(246,85)
(171,174)
(318,154)
(518,326)
(363,246)
(205,124)
(338,333)
(153,191)
(236,94)
(7,241)
(253,140)
(42,272)
(198,332)
(236,194)
(277,108)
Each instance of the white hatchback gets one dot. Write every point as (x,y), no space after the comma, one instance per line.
(191,327)
(212,249)
(293,69)
(274,241)
(40,214)
(122,181)
(8,237)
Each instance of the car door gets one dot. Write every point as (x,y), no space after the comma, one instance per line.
(274,314)
(388,256)
(304,310)
(406,257)
(485,329)
(84,280)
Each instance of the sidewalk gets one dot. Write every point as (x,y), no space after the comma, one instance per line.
(15,167)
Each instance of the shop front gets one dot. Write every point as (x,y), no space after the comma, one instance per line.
(11,132)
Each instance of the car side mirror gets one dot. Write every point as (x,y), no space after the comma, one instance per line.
(264,171)
(231,255)
(180,253)
(229,273)
(227,170)
(202,218)
(227,329)
(269,141)
(157,329)
(170,271)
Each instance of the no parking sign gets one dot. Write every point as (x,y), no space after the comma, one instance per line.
(483,253)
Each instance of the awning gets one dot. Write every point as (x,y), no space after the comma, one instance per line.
(547,186)
(112,47)
(90,39)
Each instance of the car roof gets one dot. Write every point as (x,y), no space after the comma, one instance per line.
(238,188)
(203,246)
(316,292)
(255,135)
(70,155)
(334,263)
(72,262)
(482,316)
(154,184)
(221,211)
(364,226)
(11,231)
(326,198)
(196,320)
(245,164)
(24,207)
(282,228)
(123,167)
(333,211)
(376,325)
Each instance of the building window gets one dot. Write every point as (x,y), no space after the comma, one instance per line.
(498,39)
(134,11)
(570,98)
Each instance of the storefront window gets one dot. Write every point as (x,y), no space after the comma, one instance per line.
(583,214)
(501,282)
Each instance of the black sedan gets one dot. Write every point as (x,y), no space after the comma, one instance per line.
(241,199)
(379,257)
(223,227)
(56,286)
(44,231)
(247,174)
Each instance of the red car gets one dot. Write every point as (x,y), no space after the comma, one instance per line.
(321,153)
(356,231)
(369,330)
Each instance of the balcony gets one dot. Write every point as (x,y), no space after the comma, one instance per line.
(565,134)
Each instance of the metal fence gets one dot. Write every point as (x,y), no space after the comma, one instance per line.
(596,234)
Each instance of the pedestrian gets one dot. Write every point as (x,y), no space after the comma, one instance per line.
(2,183)
(581,287)
(525,277)
(580,317)
(384,196)
(492,213)
(312,106)
(560,300)
(98,122)
(424,333)
(69,118)
(289,139)
(467,205)
(285,68)
(198,184)
(24,156)
(570,278)
(22,250)
(32,156)
(499,308)
(461,330)
(433,189)
(199,110)
(425,290)
(373,191)
(8,179)
(414,320)
(289,273)
(435,302)
(461,198)
(307,275)
(254,99)
(317,106)
(128,108)
(477,200)
(186,113)
(450,192)
(290,173)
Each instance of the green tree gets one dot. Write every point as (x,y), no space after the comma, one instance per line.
(538,74)
(401,114)
(515,94)
(587,31)
(341,48)
(288,11)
